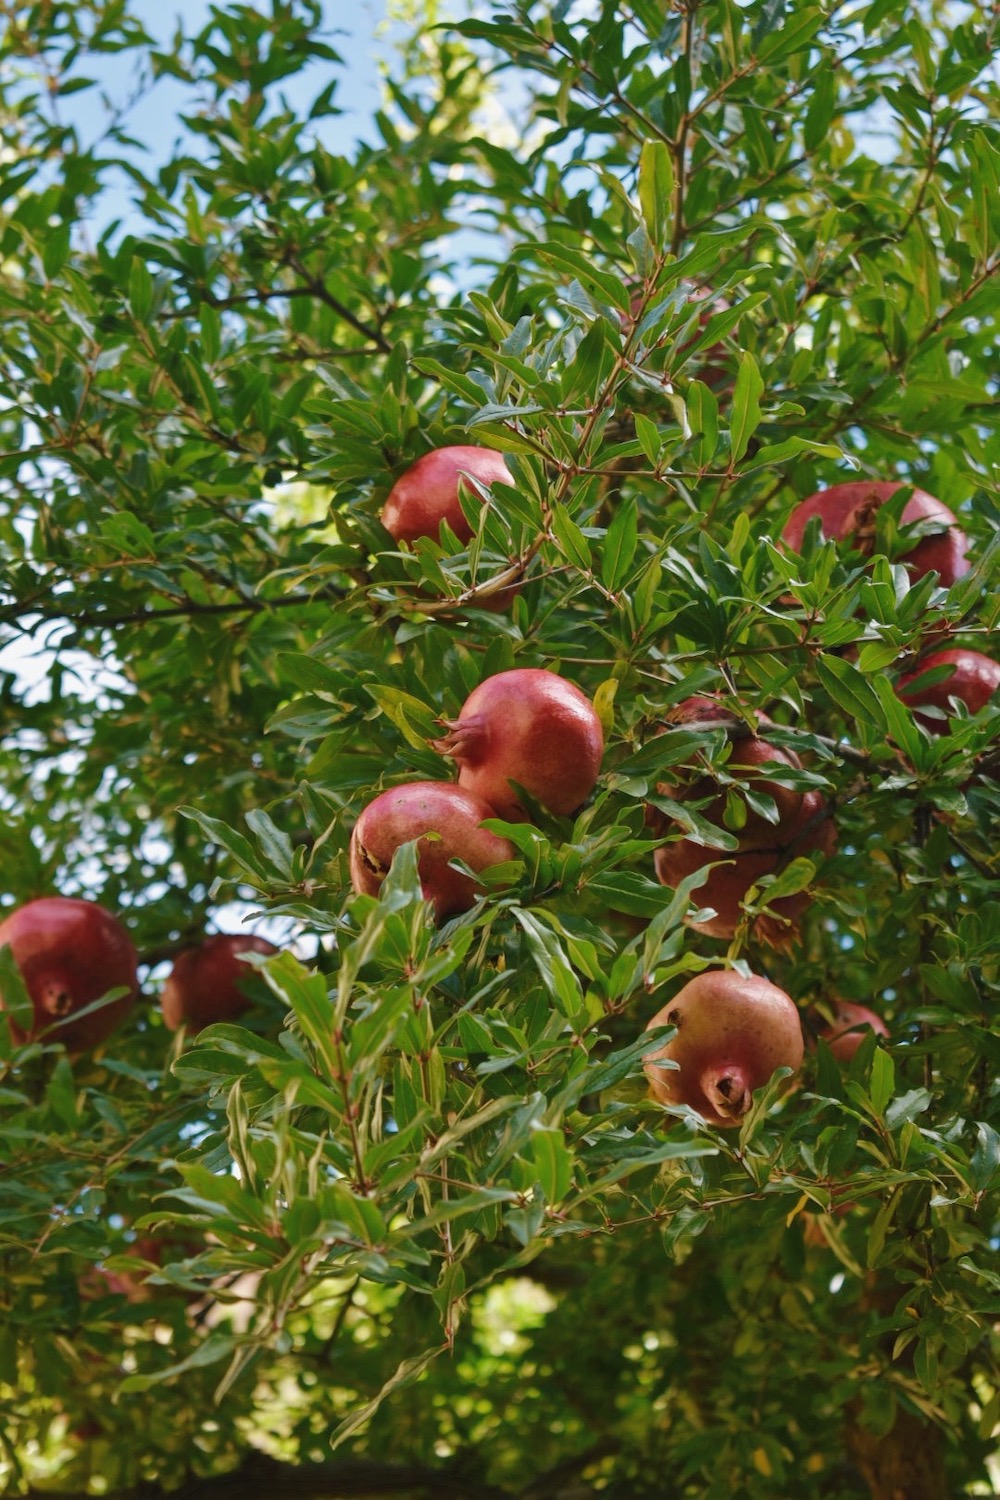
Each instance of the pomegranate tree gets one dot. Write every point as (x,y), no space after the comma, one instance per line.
(848,511)
(446,820)
(959,673)
(70,953)
(205,984)
(530,727)
(732,1033)
(802,827)
(428,492)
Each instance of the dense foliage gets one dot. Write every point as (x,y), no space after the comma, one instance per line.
(683,265)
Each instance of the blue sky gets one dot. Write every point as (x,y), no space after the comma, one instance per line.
(357,30)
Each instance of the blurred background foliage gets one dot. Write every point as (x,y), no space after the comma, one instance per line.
(417,1228)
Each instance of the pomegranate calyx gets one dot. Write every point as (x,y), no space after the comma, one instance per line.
(728,1090)
(56,995)
(466,740)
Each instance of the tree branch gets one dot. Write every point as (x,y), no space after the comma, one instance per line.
(262,1476)
(104,620)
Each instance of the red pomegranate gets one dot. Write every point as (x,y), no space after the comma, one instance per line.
(732,1033)
(846,1032)
(701,708)
(764,847)
(162,1250)
(532,727)
(427,493)
(970,677)
(205,983)
(71,952)
(848,510)
(415,810)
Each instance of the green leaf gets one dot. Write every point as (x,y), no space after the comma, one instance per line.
(794,36)
(415,721)
(140,290)
(850,691)
(746,406)
(780,453)
(703,417)
(305,994)
(576,263)
(649,437)
(821,107)
(275,844)
(405,1373)
(227,838)
(572,542)
(217,1346)
(14,994)
(656,191)
(631,892)
(553,1164)
(883,1080)
(551,962)
(620,545)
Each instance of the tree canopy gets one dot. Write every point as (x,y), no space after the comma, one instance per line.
(414,1223)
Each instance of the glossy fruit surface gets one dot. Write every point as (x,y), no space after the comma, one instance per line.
(204,985)
(413,811)
(427,493)
(532,727)
(848,510)
(70,953)
(732,1033)
(848,1028)
(966,675)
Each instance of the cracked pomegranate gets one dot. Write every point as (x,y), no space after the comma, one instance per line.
(205,984)
(446,820)
(428,492)
(70,953)
(732,1033)
(849,510)
(530,727)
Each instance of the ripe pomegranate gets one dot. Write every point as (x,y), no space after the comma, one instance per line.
(848,510)
(701,708)
(412,811)
(973,679)
(528,726)
(732,1033)
(846,1032)
(427,493)
(764,847)
(70,953)
(161,1250)
(204,984)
